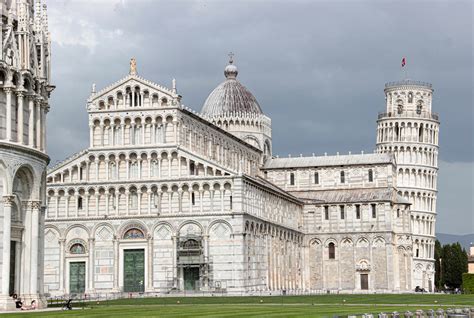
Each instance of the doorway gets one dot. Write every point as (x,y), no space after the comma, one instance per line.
(134,270)
(364,281)
(77,277)
(191,277)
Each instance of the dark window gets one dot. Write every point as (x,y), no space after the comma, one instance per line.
(374,211)
(326,212)
(79,203)
(332,250)
(316,178)
(292,179)
(410,97)
(343,177)
(193,199)
(371,175)
(417,252)
(230,202)
(341,208)
(80,173)
(357,211)
(192,169)
(398,213)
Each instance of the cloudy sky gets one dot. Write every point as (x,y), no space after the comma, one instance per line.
(317,68)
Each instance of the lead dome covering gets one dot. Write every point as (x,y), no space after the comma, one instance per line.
(230,97)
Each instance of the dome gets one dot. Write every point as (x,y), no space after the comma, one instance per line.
(230,97)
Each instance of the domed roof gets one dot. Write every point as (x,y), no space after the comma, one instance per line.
(230,97)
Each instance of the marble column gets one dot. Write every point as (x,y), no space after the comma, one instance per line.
(149,285)
(35,210)
(91,265)
(39,146)
(31,121)
(8,92)
(7,211)
(116,264)
(20,117)
(62,279)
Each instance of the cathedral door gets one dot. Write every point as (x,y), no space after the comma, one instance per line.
(12,267)
(77,277)
(134,270)
(191,277)
(364,281)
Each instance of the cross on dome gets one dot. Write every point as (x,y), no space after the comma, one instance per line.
(230,70)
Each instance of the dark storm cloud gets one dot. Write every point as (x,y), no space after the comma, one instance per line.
(316,68)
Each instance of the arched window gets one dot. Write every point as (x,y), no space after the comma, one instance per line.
(133,234)
(316,178)
(193,198)
(154,168)
(77,248)
(332,250)
(343,177)
(419,106)
(79,203)
(137,135)
(400,106)
(371,175)
(410,97)
(292,178)
(133,199)
(117,135)
(134,170)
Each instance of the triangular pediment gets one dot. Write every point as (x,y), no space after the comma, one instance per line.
(125,86)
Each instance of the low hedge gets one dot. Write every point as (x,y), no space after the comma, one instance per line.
(468,283)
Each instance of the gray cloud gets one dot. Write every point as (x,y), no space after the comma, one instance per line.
(317,68)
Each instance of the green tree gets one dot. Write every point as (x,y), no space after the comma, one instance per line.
(438,250)
(454,264)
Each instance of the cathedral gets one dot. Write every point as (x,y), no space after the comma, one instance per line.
(167,200)
(24,93)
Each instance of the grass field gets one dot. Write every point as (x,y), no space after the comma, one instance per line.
(272,306)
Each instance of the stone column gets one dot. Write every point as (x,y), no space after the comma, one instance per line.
(91,136)
(149,284)
(20,117)
(62,270)
(35,210)
(91,265)
(7,211)
(39,146)
(116,264)
(175,267)
(8,92)
(44,111)
(31,121)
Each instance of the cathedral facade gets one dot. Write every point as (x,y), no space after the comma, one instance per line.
(166,200)
(24,94)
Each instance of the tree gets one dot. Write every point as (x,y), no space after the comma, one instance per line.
(454,264)
(438,250)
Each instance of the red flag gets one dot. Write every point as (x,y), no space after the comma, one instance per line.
(403,62)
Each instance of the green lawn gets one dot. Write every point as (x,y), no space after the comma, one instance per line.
(273,306)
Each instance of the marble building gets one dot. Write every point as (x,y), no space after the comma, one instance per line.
(24,93)
(166,199)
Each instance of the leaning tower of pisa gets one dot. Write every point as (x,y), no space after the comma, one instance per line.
(409,129)
(25,89)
